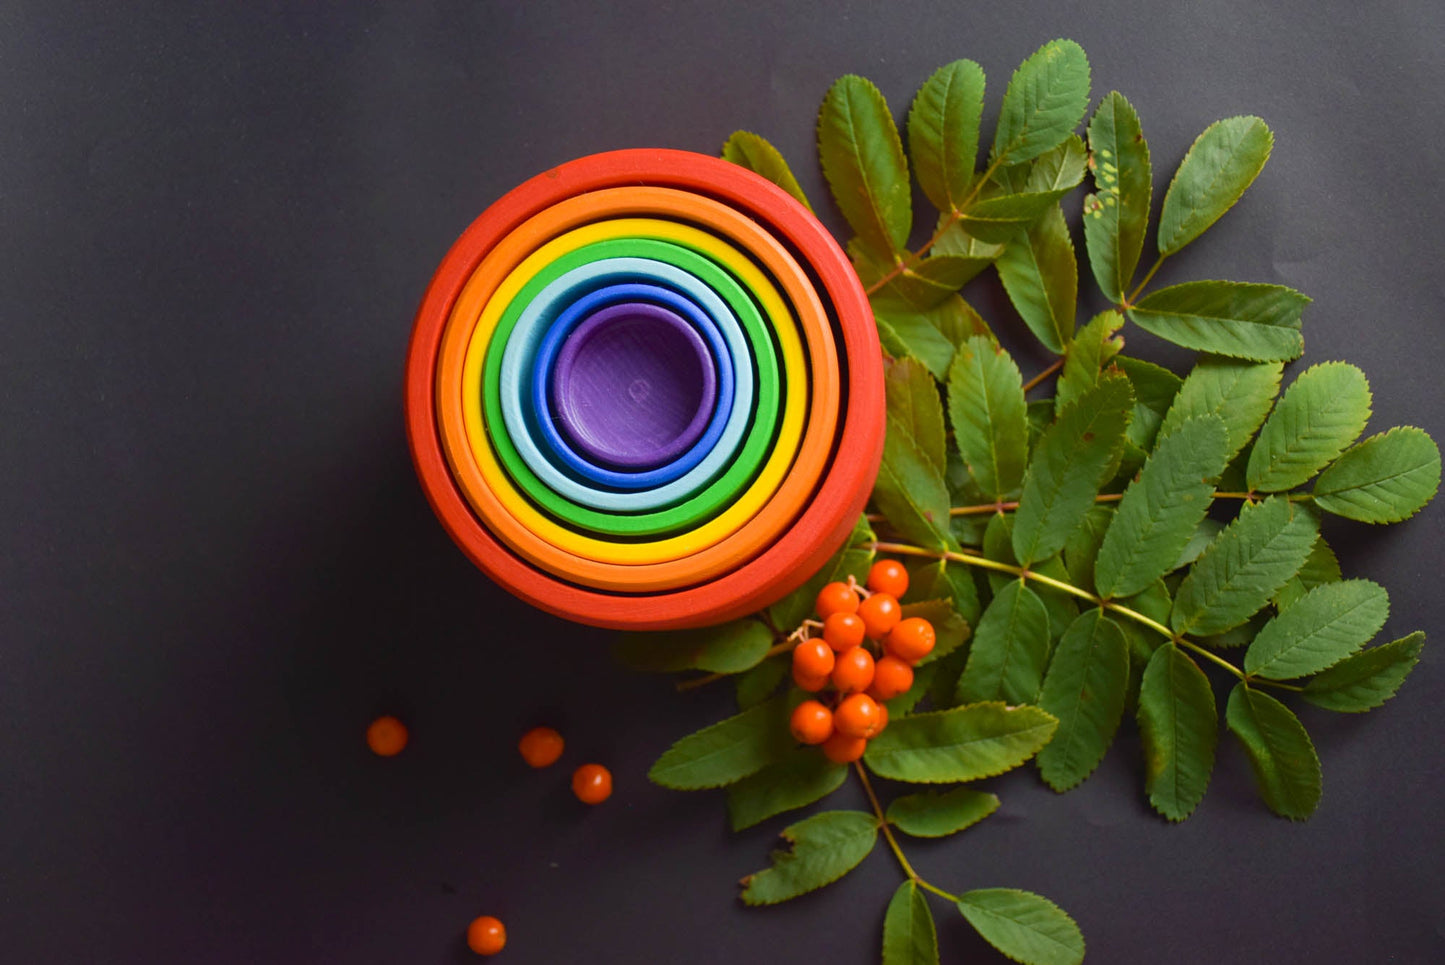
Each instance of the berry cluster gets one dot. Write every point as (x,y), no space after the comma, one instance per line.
(865,656)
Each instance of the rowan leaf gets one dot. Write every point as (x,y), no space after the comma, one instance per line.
(936,814)
(825,847)
(1154,390)
(999,218)
(726,648)
(1041,276)
(1244,567)
(1286,768)
(1240,319)
(1024,926)
(1162,508)
(863,163)
(909,936)
(1220,165)
(1238,392)
(754,686)
(1384,479)
(1321,413)
(943,132)
(987,410)
(1058,169)
(910,489)
(853,559)
(1320,567)
(1204,534)
(727,751)
(1318,630)
(1072,460)
(1179,729)
(800,778)
(910,334)
(964,744)
(1081,551)
(1368,679)
(748,150)
(1092,349)
(950,630)
(1085,688)
(1045,100)
(1117,213)
(1010,649)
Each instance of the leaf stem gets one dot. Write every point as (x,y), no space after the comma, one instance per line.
(1261,682)
(883,823)
(1053,367)
(1148,277)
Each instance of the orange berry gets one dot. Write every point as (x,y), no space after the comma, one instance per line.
(540,746)
(880,613)
(853,670)
(809,683)
(592,783)
(836,598)
(486,935)
(911,640)
(888,576)
(812,658)
(842,749)
(891,677)
(857,716)
(386,736)
(811,723)
(843,631)
(882,719)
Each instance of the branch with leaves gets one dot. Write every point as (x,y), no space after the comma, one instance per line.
(1085,557)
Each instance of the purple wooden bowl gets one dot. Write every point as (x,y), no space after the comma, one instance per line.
(634,386)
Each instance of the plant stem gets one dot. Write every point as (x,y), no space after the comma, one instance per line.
(1148,277)
(1053,367)
(696,682)
(883,822)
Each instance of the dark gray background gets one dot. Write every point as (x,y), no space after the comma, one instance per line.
(217,565)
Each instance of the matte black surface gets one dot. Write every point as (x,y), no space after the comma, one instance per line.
(217,565)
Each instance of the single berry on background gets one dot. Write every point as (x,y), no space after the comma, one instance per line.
(888,576)
(880,613)
(486,935)
(842,749)
(891,677)
(540,746)
(811,723)
(386,736)
(812,658)
(843,631)
(836,598)
(853,670)
(592,783)
(911,640)
(857,716)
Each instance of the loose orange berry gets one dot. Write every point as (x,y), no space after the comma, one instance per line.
(880,613)
(857,716)
(911,640)
(812,658)
(836,598)
(811,723)
(843,631)
(888,576)
(592,783)
(540,746)
(891,677)
(386,736)
(842,749)
(486,935)
(853,670)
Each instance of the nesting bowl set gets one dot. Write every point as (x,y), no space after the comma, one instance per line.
(644,390)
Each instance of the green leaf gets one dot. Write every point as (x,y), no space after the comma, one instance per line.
(799,779)
(909,334)
(1179,727)
(1220,165)
(758,684)
(963,744)
(825,847)
(1081,551)
(1286,769)
(1116,215)
(727,648)
(1240,393)
(1085,688)
(1319,630)
(943,132)
(1162,507)
(937,580)
(1241,319)
(1041,277)
(1319,415)
(1244,567)
(912,283)
(1002,218)
(910,489)
(952,239)
(1024,926)
(1154,390)
(1319,568)
(1010,649)
(1384,479)
(728,751)
(1093,348)
(1059,169)
(987,409)
(1204,534)
(949,629)
(909,937)
(863,163)
(936,814)
(748,150)
(1045,100)
(1071,461)
(853,560)
(1368,679)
